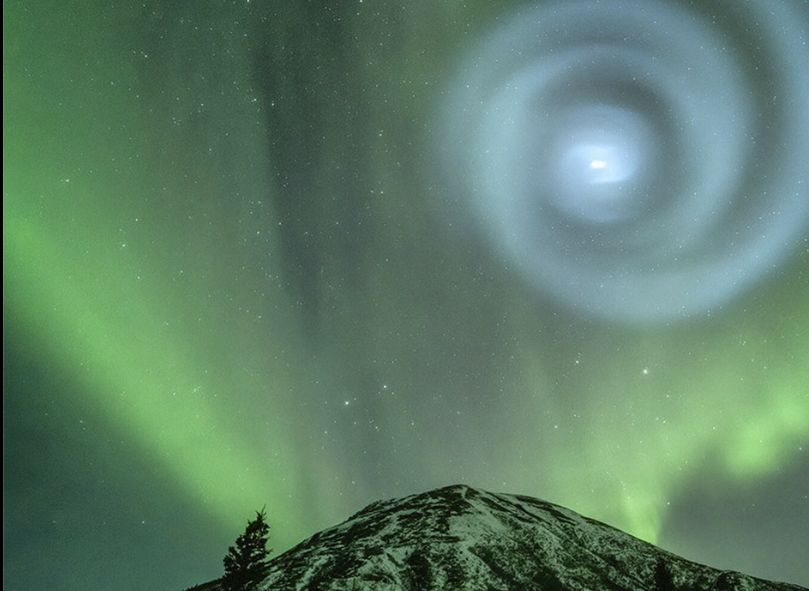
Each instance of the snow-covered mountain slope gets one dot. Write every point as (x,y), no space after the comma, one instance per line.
(461,538)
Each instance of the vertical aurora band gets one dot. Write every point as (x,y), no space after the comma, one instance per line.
(290,256)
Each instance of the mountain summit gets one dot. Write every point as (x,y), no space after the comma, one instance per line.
(464,539)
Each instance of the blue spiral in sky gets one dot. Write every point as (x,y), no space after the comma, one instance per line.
(638,160)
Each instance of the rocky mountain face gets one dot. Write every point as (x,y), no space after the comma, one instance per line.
(464,539)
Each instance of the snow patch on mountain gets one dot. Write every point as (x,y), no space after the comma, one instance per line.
(465,539)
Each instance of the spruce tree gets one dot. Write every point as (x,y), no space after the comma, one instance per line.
(247,562)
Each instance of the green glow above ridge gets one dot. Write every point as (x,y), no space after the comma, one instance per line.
(276,319)
(137,373)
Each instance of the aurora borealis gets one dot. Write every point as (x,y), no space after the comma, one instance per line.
(242,268)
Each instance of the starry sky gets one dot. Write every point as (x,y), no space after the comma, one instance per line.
(310,254)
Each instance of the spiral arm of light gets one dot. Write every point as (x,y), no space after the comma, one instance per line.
(637,160)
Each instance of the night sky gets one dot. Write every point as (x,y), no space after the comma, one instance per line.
(310,254)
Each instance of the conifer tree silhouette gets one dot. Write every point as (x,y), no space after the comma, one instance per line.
(247,562)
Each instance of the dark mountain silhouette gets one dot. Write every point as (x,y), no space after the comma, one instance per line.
(461,538)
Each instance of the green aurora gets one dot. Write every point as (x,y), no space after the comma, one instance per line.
(230,283)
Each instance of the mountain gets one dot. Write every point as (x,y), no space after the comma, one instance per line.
(464,539)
